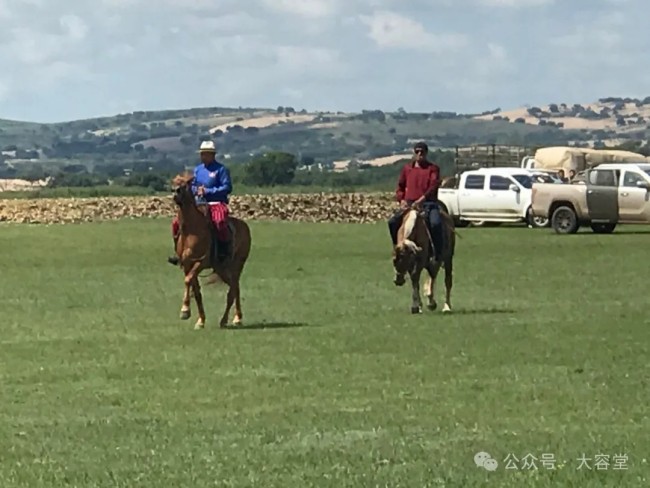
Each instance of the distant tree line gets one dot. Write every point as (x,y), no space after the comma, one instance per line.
(274,168)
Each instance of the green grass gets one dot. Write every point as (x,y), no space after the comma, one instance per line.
(331,382)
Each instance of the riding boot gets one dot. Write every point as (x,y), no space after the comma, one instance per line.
(174,259)
(438,243)
(393,226)
(223,250)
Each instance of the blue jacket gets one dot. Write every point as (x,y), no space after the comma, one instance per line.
(215,178)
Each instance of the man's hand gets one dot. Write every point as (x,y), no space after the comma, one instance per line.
(200,191)
(403,204)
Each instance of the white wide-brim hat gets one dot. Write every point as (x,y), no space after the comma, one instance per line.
(207,146)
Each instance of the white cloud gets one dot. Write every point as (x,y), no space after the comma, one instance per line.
(303,8)
(309,61)
(320,53)
(122,50)
(491,67)
(4,90)
(32,48)
(185,5)
(235,22)
(74,26)
(392,30)
(5,13)
(516,3)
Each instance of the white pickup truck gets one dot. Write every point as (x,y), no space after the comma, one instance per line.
(502,195)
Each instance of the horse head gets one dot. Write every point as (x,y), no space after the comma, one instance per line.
(404,256)
(182,189)
(405,253)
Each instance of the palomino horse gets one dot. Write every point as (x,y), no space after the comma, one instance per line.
(194,246)
(412,254)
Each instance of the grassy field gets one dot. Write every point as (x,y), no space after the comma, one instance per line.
(331,382)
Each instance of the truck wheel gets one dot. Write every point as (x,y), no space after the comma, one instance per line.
(603,228)
(536,222)
(565,220)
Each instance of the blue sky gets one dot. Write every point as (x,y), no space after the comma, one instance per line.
(70,59)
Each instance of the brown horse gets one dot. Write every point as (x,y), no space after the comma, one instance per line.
(412,254)
(193,249)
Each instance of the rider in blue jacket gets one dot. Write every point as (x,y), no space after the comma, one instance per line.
(212,184)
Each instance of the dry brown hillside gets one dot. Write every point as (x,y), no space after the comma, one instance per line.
(618,114)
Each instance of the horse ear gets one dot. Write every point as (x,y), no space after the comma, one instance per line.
(183,179)
(412,246)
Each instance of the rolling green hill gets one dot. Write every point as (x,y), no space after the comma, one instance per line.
(166,141)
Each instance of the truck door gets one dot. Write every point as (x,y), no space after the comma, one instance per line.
(471,197)
(500,201)
(633,202)
(602,195)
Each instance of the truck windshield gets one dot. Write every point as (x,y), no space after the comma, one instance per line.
(524,180)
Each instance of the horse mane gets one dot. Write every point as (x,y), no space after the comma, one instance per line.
(182,179)
(409,226)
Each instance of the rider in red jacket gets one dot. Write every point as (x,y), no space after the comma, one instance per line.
(418,183)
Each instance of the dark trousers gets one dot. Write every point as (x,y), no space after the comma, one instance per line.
(433,219)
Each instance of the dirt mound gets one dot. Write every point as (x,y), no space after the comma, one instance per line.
(349,207)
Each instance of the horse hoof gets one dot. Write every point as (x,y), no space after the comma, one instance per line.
(185,314)
(223,325)
(432,306)
(237,321)
(446,308)
(399,281)
(199,325)
(416,310)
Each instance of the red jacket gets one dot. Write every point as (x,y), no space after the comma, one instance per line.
(415,181)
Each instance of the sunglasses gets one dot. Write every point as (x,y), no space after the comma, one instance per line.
(419,151)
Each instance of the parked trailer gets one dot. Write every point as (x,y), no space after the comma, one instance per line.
(490,156)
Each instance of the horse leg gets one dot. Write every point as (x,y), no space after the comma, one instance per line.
(432,269)
(229,301)
(238,313)
(449,268)
(190,274)
(185,308)
(416,305)
(198,298)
